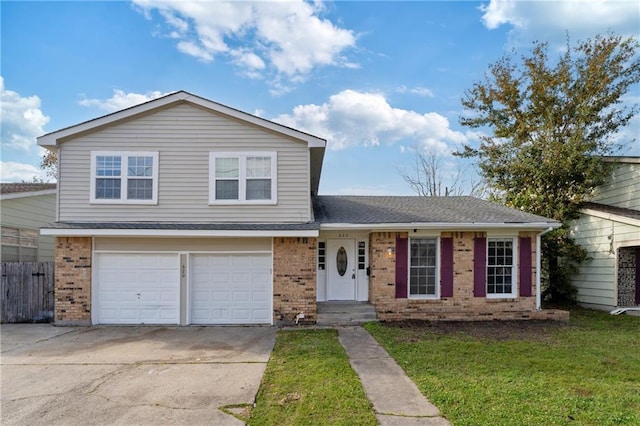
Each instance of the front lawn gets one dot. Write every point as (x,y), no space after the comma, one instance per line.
(309,381)
(586,372)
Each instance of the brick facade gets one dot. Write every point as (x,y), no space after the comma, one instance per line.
(73,281)
(294,279)
(463,305)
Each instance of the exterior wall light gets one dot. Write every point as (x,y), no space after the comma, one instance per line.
(390,251)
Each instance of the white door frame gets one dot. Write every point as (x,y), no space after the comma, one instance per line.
(341,287)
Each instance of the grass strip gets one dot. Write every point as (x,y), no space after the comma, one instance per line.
(586,373)
(308,381)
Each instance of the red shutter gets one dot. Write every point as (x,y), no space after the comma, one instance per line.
(446,267)
(525,266)
(637,275)
(480,267)
(402,264)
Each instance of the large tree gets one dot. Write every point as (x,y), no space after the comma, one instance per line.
(548,122)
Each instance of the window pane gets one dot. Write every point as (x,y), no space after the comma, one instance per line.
(500,266)
(108,165)
(227,168)
(259,189)
(422,272)
(226,190)
(140,166)
(259,167)
(107,189)
(140,189)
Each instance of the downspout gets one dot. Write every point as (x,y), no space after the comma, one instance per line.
(539,266)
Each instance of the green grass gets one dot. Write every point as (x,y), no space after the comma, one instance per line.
(308,381)
(584,373)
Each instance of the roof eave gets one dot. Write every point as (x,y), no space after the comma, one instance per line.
(438,225)
(24,194)
(52,139)
(98,232)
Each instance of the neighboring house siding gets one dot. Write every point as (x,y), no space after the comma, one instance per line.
(31,213)
(184,135)
(621,188)
(601,238)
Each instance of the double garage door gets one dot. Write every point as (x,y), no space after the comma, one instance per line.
(145,288)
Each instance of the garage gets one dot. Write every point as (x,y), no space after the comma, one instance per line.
(230,288)
(138,288)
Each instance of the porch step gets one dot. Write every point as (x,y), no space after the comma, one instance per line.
(345,313)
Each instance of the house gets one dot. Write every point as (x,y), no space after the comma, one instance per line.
(25,207)
(185,211)
(609,229)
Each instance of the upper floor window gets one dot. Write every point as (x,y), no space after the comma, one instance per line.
(501,261)
(423,263)
(124,177)
(248,177)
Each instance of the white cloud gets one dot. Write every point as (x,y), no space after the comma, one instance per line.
(352,118)
(420,91)
(290,38)
(21,120)
(18,172)
(550,20)
(121,100)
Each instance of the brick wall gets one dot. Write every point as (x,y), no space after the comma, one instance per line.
(294,279)
(463,305)
(73,281)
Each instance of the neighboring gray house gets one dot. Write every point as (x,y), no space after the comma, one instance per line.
(609,229)
(24,208)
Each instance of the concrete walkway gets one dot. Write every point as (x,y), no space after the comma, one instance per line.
(395,398)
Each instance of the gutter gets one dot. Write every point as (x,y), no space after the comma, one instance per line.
(539,266)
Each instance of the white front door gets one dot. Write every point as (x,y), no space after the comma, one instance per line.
(341,269)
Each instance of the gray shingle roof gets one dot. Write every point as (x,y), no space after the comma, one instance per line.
(187,226)
(620,211)
(413,209)
(14,188)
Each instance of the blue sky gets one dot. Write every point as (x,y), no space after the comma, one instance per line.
(377,79)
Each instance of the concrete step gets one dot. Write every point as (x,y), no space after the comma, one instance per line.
(345,313)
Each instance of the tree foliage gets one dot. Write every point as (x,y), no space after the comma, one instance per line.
(49,163)
(550,122)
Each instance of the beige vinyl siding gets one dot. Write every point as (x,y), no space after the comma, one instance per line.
(601,238)
(32,213)
(184,135)
(183,244)
(622,189)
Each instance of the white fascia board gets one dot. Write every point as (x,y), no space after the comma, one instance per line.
(611,216)
(438,225)
(51,139)
(27,194)
(171,233)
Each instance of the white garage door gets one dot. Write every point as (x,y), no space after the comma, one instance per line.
(138,288)
(230,289)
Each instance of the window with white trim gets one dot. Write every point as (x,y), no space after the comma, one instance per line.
(423,269)
(501,270)
(246,177)
(129,177)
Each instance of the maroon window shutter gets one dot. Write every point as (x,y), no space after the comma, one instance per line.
(446,267)
(637,275)
(402,262)
(480,267)
(525,267)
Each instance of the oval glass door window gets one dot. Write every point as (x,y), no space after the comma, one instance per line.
(341,261)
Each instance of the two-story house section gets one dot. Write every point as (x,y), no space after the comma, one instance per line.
(185,211)
(609,229)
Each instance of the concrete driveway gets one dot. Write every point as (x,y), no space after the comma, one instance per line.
(129,375)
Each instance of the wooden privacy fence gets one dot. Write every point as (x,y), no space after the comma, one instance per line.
(27,292)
